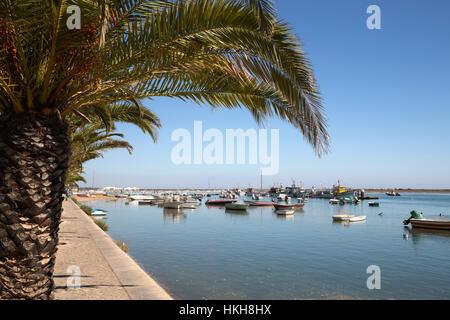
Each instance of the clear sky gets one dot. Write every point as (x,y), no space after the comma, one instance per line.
(386,95)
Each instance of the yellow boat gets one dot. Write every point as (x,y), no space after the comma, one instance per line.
(341,191)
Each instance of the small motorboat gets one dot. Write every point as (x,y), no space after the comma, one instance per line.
(288,205)
(98,212)
(141,197)
(189,205)
(373,204)
(393,194)
(285,212)
(236,206)
(430,223)
(172,205)
(342,217)
(418,221)
(260,204)
(220,202)
(357,219)
(334,201)
(145,202)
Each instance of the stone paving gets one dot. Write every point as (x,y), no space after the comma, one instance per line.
(106,272)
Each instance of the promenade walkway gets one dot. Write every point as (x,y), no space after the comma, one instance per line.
(106,272)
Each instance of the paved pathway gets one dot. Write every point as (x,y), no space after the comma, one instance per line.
(106,271)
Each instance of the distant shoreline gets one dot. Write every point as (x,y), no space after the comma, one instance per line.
(408,190)
(94,198)
(366,190)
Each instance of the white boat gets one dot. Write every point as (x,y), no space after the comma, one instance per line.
(188,205)
(418,221)
(357,218)
(141,197)
(98,212)
(191,201)
(281,197)
(173,205)
(343,217)
(285,212)
(334,201)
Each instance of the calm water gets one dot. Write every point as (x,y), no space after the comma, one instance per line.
(209,253)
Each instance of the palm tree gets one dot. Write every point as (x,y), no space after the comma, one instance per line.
(87,143)
(93,133)
(228,54)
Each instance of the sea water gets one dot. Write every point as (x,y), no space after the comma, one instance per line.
(210,253)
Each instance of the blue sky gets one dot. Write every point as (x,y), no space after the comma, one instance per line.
(386,95)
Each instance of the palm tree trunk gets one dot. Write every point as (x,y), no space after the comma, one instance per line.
(34,157)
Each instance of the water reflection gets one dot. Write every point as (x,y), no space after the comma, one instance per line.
(420,234)
(289,217)
(176,215)
(236,212)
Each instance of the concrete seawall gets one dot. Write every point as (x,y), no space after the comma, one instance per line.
(106,272)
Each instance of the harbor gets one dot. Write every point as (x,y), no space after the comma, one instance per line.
(252,252)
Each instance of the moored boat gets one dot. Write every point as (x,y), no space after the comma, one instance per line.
(373,204)
(145,202)
(357,219)
(260,204)
(430,223)
(288,205)
(418,221)
(285,212)
(98,212)
(141,197)
(189,205)
(342,217)
(339,191)
(220,202)
(334,201)
(172,205)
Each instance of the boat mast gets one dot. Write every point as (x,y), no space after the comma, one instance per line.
(261,180)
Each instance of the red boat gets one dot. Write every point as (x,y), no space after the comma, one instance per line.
(259,204)
(288,206)
(220,202)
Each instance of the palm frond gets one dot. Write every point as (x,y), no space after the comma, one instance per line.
(128,50)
